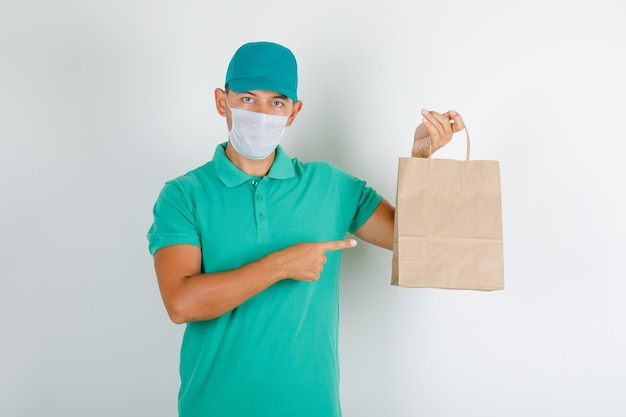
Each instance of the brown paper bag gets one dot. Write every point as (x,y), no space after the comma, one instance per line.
(448,228)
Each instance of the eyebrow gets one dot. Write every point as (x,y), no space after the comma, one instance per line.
(284,97)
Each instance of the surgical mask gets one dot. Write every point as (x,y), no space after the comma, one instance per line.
(255,135)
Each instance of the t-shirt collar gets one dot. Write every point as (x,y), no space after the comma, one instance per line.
(232,176)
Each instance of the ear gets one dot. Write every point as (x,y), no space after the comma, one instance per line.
(297,106)
(220,98)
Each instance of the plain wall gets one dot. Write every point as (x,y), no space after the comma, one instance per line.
(101,102)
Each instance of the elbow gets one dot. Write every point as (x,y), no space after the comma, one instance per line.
(177,318)
(177,312)
(182,313)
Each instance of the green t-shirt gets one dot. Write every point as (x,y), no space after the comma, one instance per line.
(276,354)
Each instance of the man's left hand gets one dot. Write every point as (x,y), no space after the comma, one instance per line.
(435,131)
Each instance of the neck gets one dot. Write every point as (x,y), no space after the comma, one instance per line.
(255,168)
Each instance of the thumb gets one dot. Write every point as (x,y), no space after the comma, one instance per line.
(333,245)
(456,120)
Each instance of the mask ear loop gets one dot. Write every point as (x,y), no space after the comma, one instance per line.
(226,101)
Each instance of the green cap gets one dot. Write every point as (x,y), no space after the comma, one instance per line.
(263,66)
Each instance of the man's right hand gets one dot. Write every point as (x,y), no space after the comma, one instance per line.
(305,261)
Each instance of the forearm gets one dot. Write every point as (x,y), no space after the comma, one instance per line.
(196,296)
(189,295)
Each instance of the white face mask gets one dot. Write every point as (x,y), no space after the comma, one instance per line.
(255,135)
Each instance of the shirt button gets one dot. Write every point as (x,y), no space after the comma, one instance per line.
(255,182)
(261,216)
(260,197)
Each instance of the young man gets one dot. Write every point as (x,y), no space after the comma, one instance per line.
(247,250)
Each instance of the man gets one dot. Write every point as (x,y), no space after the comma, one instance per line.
(247,250)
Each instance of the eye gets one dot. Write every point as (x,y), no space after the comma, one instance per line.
(247,99)
(277,103)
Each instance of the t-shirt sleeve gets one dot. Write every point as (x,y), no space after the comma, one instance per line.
(174,219)
(358,200)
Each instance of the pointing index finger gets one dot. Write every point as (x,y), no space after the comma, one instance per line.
(333,245)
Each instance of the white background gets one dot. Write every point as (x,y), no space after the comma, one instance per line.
(103,101)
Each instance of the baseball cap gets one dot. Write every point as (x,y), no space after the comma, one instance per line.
(263,66)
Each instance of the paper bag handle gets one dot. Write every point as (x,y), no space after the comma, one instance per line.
(467,153)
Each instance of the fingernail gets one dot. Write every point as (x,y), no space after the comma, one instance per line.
(352,242)
(425,112)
